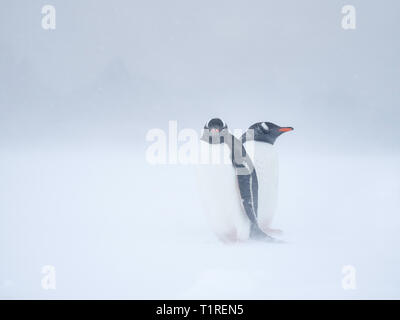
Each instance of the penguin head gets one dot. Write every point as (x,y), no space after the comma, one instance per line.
(215,130)
(215,126)
(267,131)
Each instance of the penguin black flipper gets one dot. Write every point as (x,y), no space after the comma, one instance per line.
(248,187)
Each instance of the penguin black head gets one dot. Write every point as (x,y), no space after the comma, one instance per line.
(215,126)
(216,129)
(267,132)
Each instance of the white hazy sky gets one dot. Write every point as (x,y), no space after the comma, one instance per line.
(112,70)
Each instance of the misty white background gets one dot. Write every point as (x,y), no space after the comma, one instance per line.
(76,103)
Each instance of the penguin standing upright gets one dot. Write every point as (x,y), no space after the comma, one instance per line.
(228,184)
(263,135)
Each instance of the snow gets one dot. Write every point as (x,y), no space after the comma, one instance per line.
(114,226)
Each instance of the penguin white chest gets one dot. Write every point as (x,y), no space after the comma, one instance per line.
(266,163)
(219,191)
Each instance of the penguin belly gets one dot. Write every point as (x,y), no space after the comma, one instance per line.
(265,160)
(219,192)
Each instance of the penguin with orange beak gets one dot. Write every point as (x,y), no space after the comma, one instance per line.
(259,142)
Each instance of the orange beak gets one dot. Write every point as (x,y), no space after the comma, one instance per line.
(286,129)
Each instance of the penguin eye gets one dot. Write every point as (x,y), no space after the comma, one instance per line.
(264,126)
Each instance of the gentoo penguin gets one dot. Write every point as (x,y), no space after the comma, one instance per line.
(228,184)
(263,135)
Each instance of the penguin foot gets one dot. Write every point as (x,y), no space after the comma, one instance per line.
(273,232)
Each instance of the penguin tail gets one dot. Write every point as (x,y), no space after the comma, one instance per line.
(257,234)
(273,232)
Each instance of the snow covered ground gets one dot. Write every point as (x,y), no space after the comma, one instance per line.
(114,226)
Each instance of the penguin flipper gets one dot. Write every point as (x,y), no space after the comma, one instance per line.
(246,194)
(248,191)
(246,178)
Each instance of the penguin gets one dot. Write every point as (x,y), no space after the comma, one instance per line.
(228,184)
(265,159)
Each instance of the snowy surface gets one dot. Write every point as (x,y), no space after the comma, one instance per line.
(115,227)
